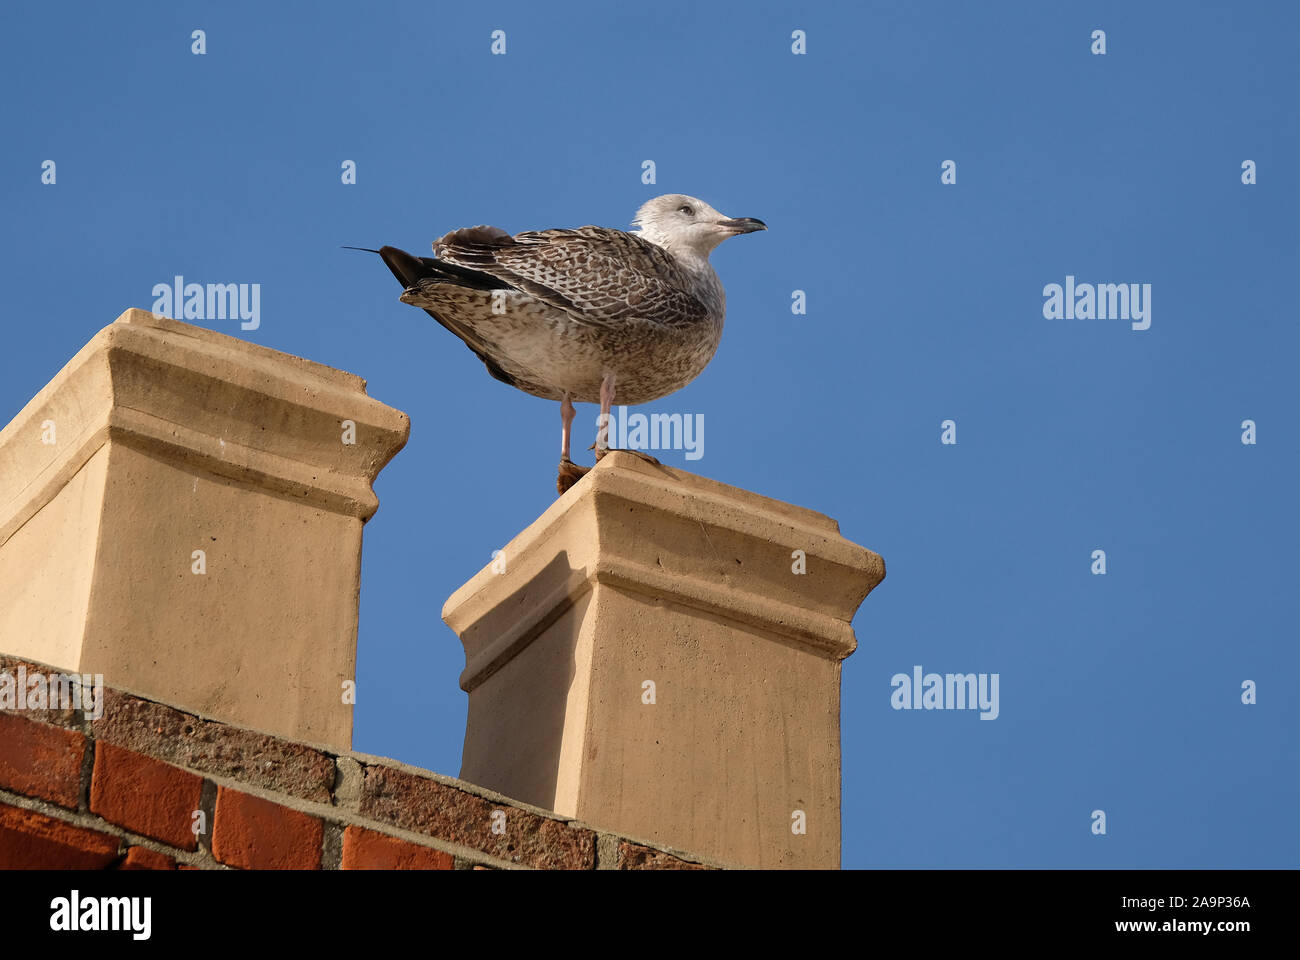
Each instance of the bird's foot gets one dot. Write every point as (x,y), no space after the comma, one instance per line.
(570,473)
(601,451)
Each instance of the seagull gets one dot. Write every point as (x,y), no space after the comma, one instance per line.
(582,315)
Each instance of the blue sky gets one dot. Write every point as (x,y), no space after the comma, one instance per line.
(1119,692)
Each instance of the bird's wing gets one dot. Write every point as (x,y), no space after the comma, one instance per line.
(596,275)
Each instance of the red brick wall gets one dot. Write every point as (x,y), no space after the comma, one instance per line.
(150,787)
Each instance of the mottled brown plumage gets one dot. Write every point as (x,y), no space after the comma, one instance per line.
(575,315)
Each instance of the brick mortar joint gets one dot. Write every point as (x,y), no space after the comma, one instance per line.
(87,773)
(331,846)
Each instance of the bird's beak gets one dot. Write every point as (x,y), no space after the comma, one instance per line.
(742,225)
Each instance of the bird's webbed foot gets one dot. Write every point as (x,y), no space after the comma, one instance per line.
(570,473)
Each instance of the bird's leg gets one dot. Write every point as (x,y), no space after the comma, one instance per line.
(601,446)
(567,414)
(570,472)
(606,402)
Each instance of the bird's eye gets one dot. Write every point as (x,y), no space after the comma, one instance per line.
(686,209)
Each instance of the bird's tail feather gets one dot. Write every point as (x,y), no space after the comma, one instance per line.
(411,271)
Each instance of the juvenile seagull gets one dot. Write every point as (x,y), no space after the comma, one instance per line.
(582,315)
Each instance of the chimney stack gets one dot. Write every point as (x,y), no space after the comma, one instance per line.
(659,654)
(181,511)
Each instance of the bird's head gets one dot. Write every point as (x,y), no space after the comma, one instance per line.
(683,225)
